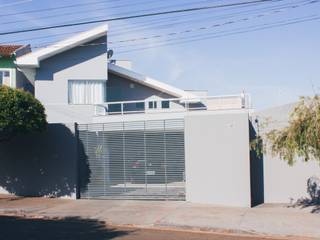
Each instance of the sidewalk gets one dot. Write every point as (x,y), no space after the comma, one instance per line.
(266,220)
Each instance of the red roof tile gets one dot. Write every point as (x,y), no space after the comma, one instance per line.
(8,50)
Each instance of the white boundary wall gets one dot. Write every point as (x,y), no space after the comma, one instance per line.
(217,158)
(284,183)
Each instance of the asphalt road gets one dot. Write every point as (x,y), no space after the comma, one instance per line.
(18,228)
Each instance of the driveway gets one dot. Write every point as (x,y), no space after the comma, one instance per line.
(266,220)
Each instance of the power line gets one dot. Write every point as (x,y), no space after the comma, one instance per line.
(152,23)
(15,3)
(83,11)
(202,28)
(224,33)
(136,16)
(191,30)
(214,17)
(201,37)
(54,8)
(171,21)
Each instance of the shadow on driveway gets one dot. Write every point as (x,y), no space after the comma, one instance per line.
(17,228)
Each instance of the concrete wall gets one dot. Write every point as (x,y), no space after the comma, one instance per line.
(217,158)
(69,113)
(284,183)
(80,63)
(43,164)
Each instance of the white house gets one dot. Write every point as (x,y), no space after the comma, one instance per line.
(118,134)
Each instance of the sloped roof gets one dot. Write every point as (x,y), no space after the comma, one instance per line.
(8,50)
(33,59)
(149,82)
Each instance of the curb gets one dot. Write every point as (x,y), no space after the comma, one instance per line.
(215,231)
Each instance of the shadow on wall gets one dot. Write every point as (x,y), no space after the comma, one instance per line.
(256,170)
(313,189)
(16,228)
(43,164)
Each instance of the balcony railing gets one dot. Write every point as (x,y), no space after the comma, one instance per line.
(241,101)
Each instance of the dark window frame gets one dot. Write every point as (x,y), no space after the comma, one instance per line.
(165,104)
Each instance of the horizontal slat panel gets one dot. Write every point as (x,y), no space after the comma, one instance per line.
(134,160)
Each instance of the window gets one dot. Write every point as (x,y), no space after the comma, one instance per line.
(86,91)
(165,104)
(152,104)
(4,77)
(140,106)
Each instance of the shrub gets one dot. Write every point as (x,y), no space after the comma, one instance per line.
(20,113)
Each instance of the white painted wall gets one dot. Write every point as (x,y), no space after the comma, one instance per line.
(284,183)
(217,158)
(80,63)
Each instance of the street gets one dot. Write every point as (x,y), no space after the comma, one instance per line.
(17,228)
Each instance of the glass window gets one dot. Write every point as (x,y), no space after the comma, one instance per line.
(140,105)
(4,75)
(86,91)
(152,104)
(165,104)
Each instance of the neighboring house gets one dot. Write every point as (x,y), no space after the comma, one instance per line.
(9,74)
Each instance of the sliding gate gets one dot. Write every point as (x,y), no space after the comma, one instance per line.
(132,160)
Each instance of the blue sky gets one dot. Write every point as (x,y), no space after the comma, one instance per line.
(275,65)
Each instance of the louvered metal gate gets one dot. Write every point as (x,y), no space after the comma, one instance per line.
(132,160)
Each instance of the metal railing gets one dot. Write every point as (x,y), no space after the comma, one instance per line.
(241,101)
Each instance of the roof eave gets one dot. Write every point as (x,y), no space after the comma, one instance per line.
(33,59)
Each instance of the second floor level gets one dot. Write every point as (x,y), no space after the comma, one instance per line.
(76,77)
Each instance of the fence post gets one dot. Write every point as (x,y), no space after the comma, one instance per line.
(77,153)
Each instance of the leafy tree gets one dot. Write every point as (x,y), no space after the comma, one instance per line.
(20,113)
(301,137)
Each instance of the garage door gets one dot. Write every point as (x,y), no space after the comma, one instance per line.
(132,160)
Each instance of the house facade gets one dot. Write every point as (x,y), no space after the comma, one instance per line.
(137,137)
(118,134)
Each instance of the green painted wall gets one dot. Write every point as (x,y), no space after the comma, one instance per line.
(7,62)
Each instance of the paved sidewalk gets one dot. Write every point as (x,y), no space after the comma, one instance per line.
(266,220)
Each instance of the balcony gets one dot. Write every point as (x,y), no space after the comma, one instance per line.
(146,106)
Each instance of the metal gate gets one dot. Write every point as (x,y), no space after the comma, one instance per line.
(132,160)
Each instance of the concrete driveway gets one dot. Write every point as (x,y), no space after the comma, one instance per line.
(266,220)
